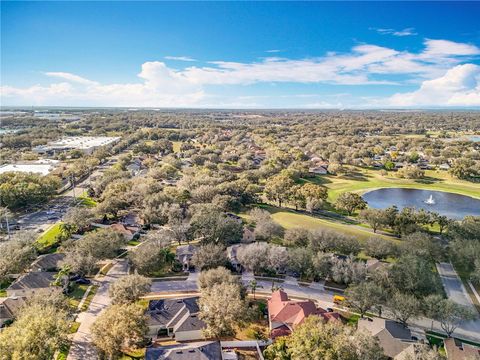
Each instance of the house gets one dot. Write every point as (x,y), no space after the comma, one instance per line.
(285,314)
(456,350)
(184,254)
(129,232)
(393,337)
(373,265)
(444,166)
(32,282)
(206,350)
(132,220)
(232,256)
(48,262)
(175,318)
(9,308)
(318,170)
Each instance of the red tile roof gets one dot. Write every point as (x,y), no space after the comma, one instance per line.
(291,313)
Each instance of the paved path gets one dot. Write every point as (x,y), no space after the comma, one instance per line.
(453,285)
(82,348)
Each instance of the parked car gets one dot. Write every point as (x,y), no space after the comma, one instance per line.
(83,281)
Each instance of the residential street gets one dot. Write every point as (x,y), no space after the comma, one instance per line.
(468,330)
(453,285)
(82,348)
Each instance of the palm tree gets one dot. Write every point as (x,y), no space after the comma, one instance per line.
(253,285)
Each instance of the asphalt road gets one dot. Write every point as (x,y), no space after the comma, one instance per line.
(453,285)
(82,347)
(54,210)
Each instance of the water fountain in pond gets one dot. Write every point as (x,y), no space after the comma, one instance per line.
(430,200)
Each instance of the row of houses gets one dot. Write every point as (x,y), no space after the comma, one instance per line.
(178,320)
(39,278)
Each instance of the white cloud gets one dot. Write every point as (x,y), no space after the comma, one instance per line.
(71,77)
(405,32)
(460,86)
(273,51)
(179,58)
(161,85)
(435,48)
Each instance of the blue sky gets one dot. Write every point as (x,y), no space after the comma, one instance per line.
(241,54)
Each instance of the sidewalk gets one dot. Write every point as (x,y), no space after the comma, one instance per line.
(82,347)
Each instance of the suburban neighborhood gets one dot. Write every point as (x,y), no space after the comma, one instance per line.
(239,180)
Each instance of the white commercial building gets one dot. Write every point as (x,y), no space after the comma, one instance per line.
(42,167)
(87,144)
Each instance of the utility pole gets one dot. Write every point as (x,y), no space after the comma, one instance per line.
(72,179)
(8,226)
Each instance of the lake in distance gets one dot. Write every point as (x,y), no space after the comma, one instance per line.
(452,205)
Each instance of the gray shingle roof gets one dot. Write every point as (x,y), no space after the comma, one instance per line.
(48,261)
(9,307)
(33,280)
(193,351)
(393,337)
(179,314)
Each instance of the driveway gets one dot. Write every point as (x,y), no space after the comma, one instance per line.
(453,285)
(82,348)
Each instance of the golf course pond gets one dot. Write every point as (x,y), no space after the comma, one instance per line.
(452,205)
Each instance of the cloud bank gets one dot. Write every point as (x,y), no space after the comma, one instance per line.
(442,71)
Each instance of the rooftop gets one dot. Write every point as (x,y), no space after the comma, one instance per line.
(48,261)
(33,280)
(81,142)
(394,338)
(206,350)
(180,314)
(42,169)
(9,307)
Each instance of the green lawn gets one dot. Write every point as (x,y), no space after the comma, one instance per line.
(289,219)
(3,287)
(50,236)
(133,354)
(89,298)
(104,270)
(76,295)
(74,327)
(63,353)
(87,200)
(362,179)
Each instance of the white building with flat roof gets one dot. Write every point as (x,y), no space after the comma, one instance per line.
(42,169)
(87,144)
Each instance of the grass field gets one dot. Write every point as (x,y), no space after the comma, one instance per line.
(49,237)
(289,219)
(362,179)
